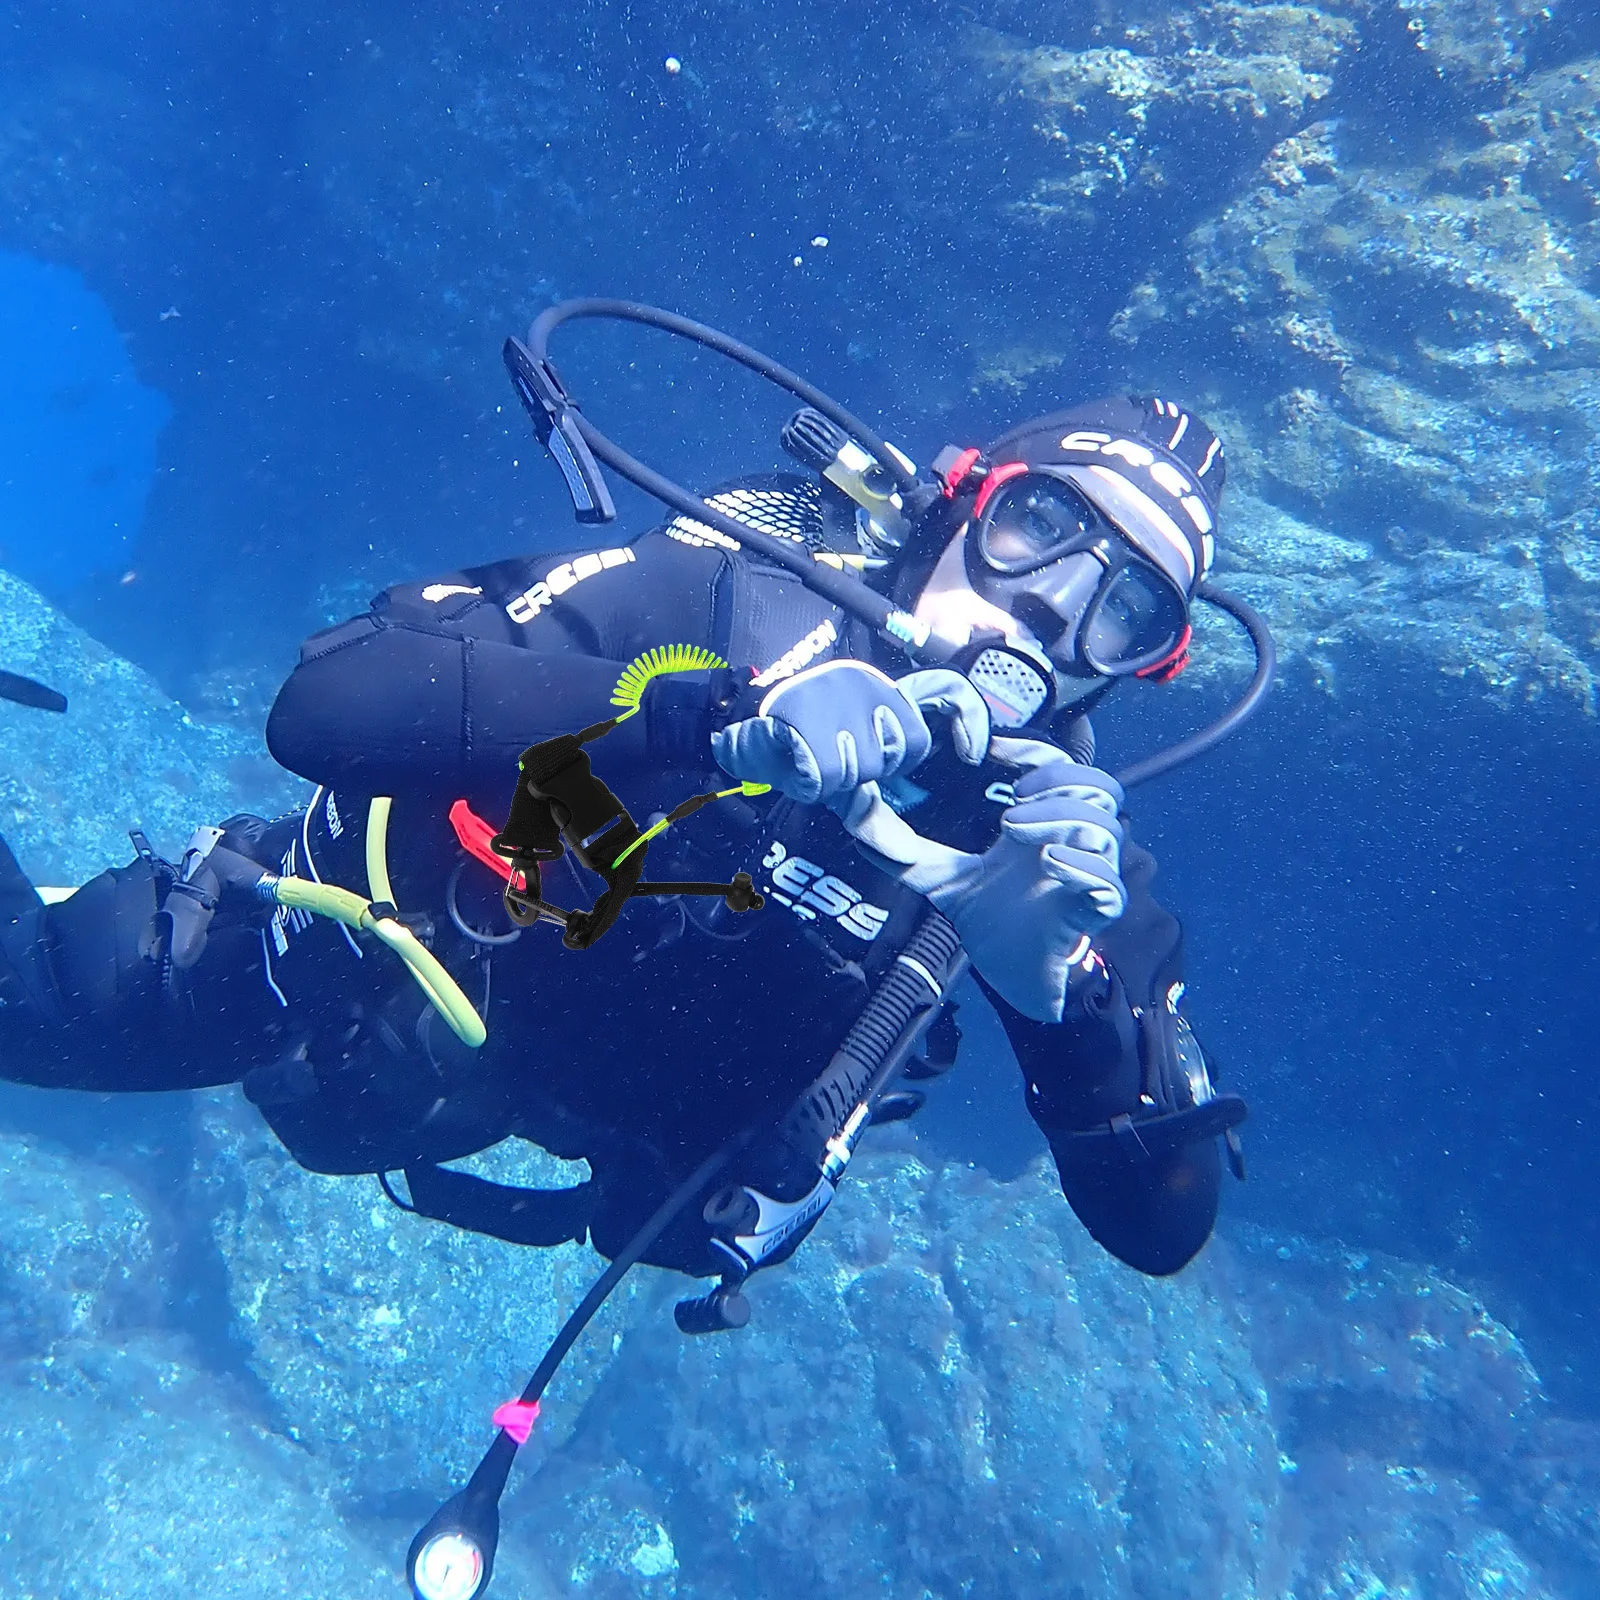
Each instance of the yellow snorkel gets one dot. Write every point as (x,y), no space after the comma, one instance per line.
(378,916)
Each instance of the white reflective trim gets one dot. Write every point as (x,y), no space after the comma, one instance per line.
(1198,515)
(316,877)
(1149,528)
(922,972)
(1183,428)
(1169,478)
(266,963)
(811,674)
(843,1143)
(1136,455)
(1208,551)
(903,625)
(1211,455)
(1085,439)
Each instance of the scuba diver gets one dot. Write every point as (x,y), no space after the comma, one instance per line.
(874,682)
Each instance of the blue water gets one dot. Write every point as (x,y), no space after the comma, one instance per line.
(254,274)
(81,430)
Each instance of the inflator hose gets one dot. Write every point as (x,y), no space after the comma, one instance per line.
(1185,750)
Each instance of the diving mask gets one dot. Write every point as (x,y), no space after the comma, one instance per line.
(1104,599)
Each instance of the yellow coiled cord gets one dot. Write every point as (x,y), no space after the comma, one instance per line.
(664,659)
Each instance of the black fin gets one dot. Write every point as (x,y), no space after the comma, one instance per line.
(26,692)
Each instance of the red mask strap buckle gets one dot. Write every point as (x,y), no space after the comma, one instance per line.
(998,476)
(1171,664)
(953,465)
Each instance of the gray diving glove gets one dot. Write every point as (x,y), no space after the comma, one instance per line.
(823,733)
(1026,907)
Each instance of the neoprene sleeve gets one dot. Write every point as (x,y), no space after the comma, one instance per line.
(435,714)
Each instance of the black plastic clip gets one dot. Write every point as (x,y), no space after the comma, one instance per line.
(146,852)
(724,1310)
(553,412)
(741,895)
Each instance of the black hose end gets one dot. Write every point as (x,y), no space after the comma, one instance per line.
(452,1556)
(897,1105)
(741,895)
(812,439)
(724,1310)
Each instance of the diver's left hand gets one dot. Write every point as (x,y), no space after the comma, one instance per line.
(823,733)
(1025,906)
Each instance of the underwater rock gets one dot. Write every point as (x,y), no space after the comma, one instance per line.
(77,1252)
(127,1475)
(126,1472)
(1412,1418)
(385,1340)
(1401,1409)
(122,755)
(1473,42)
(80,430)
(1424,344)
(1169,101)
(1487,617)
(951,1390)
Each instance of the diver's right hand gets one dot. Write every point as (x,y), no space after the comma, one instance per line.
(1026,907)
(823,733)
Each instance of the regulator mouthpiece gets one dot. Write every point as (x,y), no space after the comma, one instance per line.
(452,1558)
(1017,688)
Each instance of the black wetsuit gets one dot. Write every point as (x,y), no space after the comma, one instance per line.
(685,1023)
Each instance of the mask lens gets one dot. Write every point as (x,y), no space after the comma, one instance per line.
(1140,617)
(1033,522)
